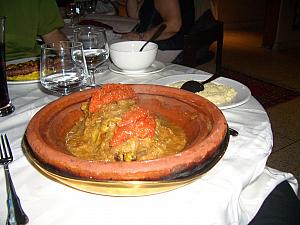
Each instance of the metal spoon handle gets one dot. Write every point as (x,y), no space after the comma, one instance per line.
(158,32)
(213,77)
(233,132)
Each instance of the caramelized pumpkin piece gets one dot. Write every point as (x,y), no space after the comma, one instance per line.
(109,93)
(135,122)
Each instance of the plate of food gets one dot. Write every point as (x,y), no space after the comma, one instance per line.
(23,71)
(127,140)
(223,92)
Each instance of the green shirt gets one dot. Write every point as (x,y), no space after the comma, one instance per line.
(26,20)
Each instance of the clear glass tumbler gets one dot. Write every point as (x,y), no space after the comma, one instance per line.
(6,106)
(63,68)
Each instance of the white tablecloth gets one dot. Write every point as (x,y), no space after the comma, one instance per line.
(230,193)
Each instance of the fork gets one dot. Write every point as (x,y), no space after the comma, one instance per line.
(16,215)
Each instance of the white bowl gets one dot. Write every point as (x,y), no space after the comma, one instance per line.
(127,56)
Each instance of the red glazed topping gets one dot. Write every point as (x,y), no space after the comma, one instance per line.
(110,93)
(135,123)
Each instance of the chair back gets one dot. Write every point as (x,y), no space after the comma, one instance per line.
(201,41)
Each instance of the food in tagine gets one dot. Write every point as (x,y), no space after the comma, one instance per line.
(23,71)
(115,128)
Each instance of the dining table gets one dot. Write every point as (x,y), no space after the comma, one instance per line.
(231,192)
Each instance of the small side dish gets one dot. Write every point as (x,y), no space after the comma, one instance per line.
(218,94)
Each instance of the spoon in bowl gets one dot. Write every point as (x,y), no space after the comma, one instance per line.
(196,86)
(158,32)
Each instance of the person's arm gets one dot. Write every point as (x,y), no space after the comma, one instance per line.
(133,7)
(54,36)
(50,21)
(169,10)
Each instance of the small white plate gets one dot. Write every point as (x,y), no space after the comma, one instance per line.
(154,68)
(22,61)
(243,92)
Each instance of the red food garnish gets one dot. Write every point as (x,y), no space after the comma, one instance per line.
(135,123)
(110,93)
(133,115)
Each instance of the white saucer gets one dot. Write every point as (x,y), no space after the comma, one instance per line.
(154,68)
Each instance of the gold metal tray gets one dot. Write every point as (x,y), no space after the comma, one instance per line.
(124,188)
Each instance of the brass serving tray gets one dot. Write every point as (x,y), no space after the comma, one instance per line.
(125,188)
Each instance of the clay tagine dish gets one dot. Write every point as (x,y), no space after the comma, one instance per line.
(203,123)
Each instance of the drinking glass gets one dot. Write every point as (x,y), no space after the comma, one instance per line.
(63,69)
(6,106)
(90,6)
(70,12)
(95,48)
(80,8)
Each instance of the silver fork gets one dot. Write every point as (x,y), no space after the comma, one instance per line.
(16,215)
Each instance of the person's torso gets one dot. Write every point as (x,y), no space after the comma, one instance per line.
(25,21)
(150,17)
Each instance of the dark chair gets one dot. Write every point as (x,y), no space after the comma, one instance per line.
(200,41)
